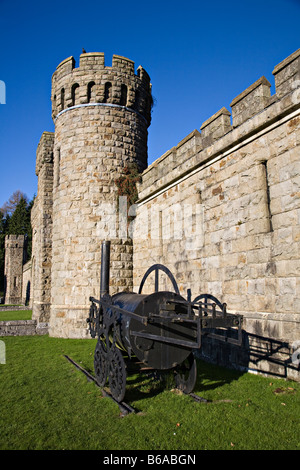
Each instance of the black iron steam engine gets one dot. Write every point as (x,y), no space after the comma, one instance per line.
(161,330)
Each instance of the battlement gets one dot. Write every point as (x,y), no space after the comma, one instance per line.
(251,111)
(14,241)
(253,100)
(13,238)
(93,82)
(44,152)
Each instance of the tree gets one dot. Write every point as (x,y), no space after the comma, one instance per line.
(10,205)
(18,223)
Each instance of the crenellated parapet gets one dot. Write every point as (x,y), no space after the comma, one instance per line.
(287,74)
(252,111)
(44,152)
(255,99)
(251,101)
(94,83)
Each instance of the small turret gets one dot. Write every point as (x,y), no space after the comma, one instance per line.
(94,83)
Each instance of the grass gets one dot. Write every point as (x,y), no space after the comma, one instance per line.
(45,403)
(15,315)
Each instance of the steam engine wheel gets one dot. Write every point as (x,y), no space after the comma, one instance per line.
(117,374)
(101,362)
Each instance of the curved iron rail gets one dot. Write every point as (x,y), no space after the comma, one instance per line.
(156,268)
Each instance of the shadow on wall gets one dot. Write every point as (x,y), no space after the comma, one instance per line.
(27,297)
(260,354)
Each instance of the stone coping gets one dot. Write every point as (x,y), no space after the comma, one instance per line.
(261,81)
(14,307)
(262,122)
(286,61)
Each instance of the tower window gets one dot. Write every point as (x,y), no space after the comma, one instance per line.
(62,98)
(123,101)
(91,95)
(75,90)
(107,92)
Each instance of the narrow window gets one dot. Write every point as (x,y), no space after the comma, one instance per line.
(15,281)
(107,92)
(91,96)
(75,90)
(268,198)
(57,168)
(54,104)
(123,101)
(62,98)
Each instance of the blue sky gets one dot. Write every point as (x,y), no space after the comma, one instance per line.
(199,55)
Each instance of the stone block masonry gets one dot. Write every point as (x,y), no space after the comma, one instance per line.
(22,328)
(13,269)
(41,221)
(101,117)
(221,209)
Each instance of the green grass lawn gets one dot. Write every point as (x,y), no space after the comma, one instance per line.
(15,315)
(45,403)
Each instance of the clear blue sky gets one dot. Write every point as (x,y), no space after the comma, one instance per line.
(199,55)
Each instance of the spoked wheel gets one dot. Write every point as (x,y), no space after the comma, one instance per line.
(101,362)
(92,320)
(117,374)
(186,374)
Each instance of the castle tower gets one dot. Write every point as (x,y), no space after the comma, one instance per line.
(13,269)
(41,221)
(101,115)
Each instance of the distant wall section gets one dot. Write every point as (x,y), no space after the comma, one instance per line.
(13,269)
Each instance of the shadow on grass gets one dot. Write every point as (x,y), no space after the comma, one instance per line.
(151,383)
(211,376)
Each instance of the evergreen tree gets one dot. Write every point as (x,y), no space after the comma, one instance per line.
(19,220)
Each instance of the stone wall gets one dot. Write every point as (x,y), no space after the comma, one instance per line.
(101,116)
(13,269)
(222,211)
(41,220)
(21,328)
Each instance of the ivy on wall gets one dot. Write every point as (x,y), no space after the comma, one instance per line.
(127,184)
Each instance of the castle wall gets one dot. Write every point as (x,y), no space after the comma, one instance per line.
(222,211)
(13,269)
(101,118)
(41,221)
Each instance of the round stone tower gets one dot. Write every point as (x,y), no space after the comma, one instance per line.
(101,115)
